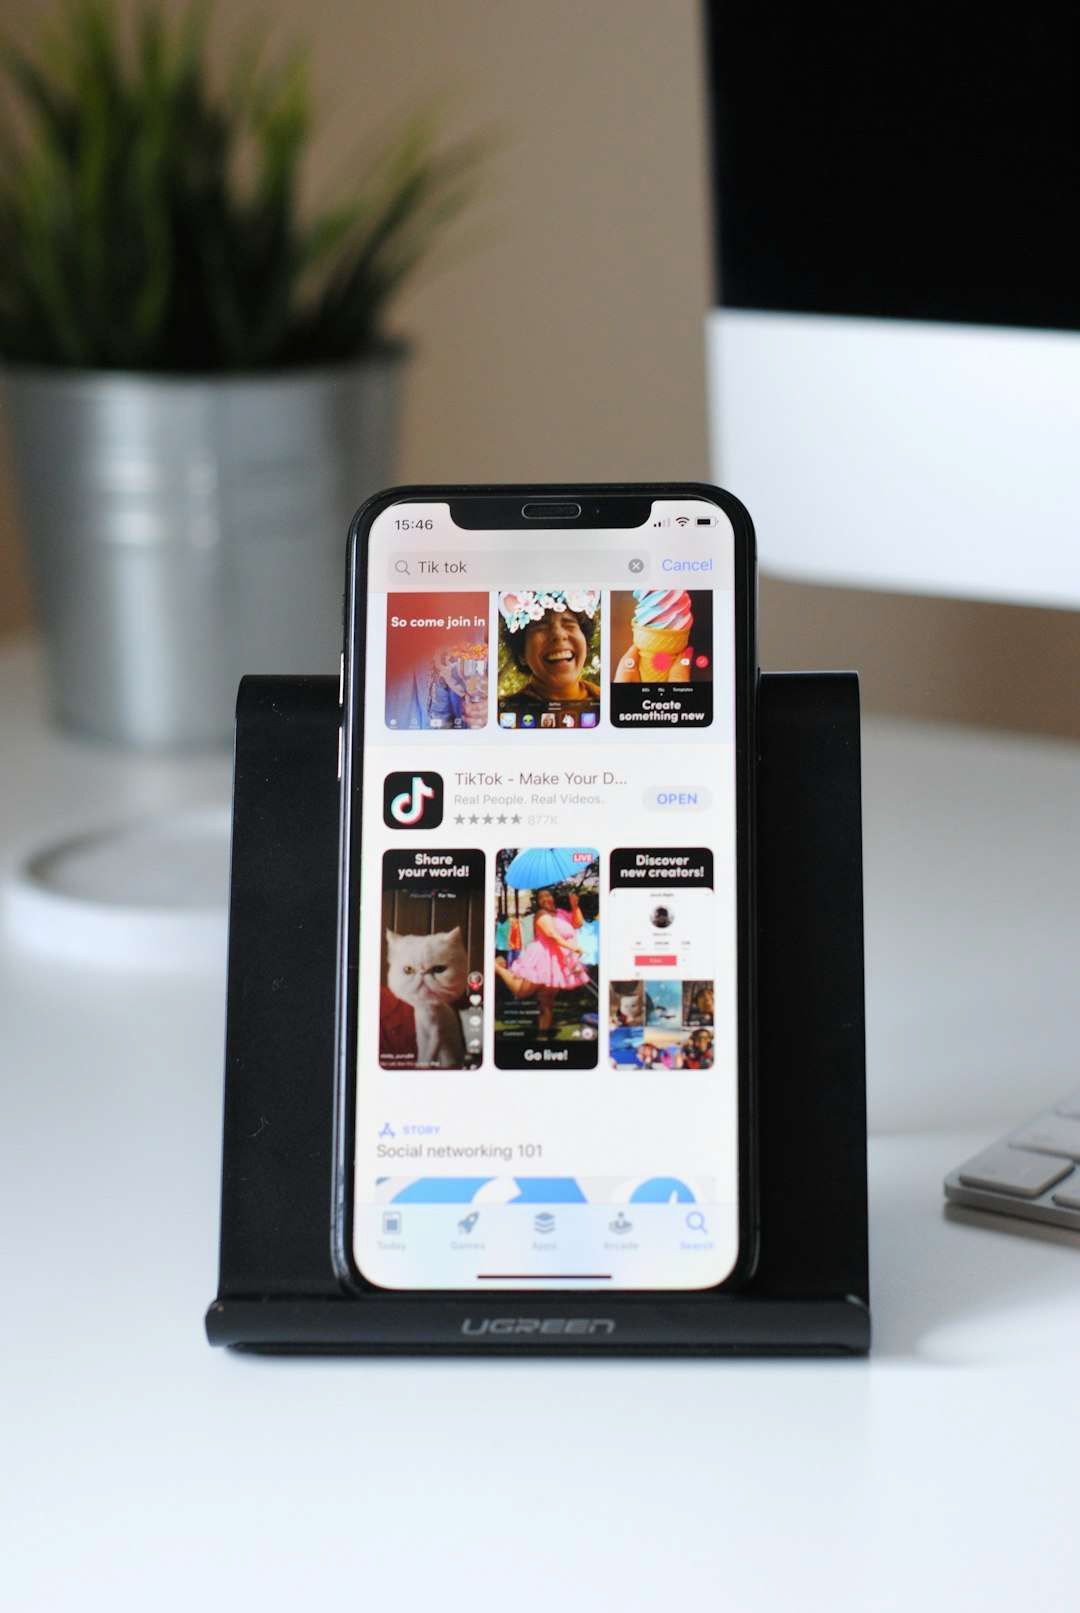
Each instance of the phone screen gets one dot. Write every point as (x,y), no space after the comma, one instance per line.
(547,1058)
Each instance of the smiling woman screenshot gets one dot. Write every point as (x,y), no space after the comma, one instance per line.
(549,658)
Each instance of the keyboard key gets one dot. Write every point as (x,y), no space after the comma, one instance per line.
(1070,1105)
(1050,1134)
(1007,1169)
(1068,1196)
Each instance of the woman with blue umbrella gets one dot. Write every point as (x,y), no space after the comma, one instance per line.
(552,962)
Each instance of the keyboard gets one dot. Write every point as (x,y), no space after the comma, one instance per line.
(1033,1172)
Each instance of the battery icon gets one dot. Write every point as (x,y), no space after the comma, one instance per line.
(704,520)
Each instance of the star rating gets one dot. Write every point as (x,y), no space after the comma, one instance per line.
(502,817)
(474,818)
(516,818)
(459,818)
(489,818)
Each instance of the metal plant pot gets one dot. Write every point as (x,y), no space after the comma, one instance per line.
(183,532)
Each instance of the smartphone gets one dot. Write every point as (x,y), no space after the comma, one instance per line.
(545,1037)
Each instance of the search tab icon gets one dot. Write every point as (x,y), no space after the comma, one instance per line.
(696,1221)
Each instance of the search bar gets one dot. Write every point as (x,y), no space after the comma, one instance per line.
(505,568)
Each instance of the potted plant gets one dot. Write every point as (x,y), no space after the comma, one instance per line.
(198,380)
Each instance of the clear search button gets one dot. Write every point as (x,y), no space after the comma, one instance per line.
(678,798)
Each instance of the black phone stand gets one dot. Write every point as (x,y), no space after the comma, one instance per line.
(277,1286)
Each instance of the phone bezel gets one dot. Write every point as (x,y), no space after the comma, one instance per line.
(499,507)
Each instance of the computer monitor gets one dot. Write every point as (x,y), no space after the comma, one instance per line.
(894,350)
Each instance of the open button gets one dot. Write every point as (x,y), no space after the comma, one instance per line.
(679,798)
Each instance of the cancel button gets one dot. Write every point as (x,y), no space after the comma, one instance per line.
(678,798)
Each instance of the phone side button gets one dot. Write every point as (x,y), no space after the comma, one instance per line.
(340,749)
(341,680)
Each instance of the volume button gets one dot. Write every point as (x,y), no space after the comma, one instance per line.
(341,680)
(340,749)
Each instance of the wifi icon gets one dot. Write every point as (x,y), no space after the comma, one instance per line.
(682,520)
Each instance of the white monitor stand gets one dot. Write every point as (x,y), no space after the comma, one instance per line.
(942,459)
(904,455)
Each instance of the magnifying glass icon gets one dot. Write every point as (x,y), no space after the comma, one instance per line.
(696,1221)
(402,568)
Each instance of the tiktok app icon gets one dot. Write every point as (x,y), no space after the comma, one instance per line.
(412,800)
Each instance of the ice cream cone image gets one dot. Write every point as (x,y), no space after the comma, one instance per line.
(661,630)
(659,647)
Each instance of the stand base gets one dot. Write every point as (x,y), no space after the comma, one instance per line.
(751,1324)
(810,1292)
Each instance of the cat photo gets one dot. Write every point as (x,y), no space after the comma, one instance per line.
(428,973)
(431,1000)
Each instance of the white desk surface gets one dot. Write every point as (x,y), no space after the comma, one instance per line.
(141,1469)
